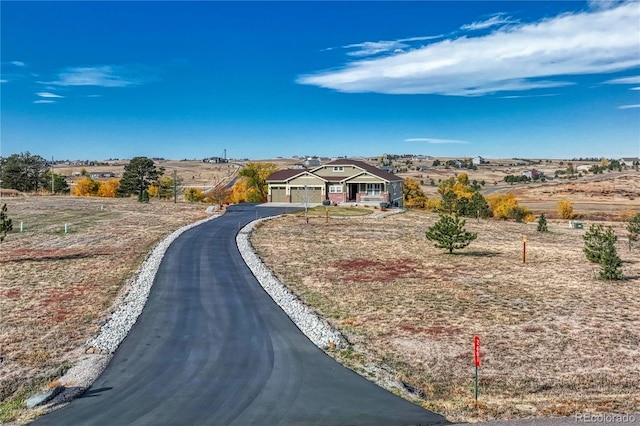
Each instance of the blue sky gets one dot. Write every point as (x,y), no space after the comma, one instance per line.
(97,80)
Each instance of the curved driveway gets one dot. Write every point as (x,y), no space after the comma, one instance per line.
(211,347)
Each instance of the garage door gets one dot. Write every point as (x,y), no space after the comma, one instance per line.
(278,194)
(312,195)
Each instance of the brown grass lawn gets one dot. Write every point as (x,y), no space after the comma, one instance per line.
(555,340)
(55,288)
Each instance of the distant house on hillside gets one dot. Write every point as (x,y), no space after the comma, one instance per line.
(299,166)
(339,181)
(98,175)
(312,162)
(532,174)
(629,161)
(478,160)
(215,160)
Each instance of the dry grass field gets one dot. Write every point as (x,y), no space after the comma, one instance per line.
(55,288)
(555,340)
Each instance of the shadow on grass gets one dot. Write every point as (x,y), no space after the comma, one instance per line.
(44,258)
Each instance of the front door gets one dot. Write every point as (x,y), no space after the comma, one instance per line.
(353,190)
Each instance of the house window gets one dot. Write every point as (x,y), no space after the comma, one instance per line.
(335,189)
(374,188)
(338,169)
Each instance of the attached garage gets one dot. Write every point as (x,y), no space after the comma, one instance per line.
(310,194)
(278,194)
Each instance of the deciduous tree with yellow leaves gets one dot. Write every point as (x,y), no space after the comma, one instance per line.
(85,187)
(193,195)
(241,193)
(108,188)
(505,206)
(255,176)
(413,194)
(565,209)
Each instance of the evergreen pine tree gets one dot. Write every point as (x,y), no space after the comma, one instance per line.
(600,248)
(137,176)
(448,201)
(542,223)
(633,227)
(610,264)
(5,223)
(143,197)
(479,206)
(449,233)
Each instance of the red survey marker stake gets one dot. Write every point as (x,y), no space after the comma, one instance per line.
(476,358)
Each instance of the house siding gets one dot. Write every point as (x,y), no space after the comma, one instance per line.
(328,173)
(306,180)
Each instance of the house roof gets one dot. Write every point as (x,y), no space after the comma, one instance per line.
(285,174)
(288,174)
(366,167)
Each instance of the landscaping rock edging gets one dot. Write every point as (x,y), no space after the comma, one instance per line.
(313,326)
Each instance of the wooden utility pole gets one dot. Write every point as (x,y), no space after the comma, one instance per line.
(175,186)
(53,187)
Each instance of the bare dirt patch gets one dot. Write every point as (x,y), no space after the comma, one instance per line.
(555,340)
(56,288)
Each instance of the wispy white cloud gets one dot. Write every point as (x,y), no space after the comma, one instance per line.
(494,21)
(18,64)
(545,95)
(635,88)
(625,80)
(44,101)
(370,48)
(104,76)
(515,58)
(48,95)
(422,38)
(629,106)
(436,141)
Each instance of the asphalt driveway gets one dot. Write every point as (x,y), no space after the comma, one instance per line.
(212,348)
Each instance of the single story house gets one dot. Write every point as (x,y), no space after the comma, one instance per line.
(339,181)
(629,161)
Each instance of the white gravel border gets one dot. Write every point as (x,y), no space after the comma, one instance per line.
(313,326)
